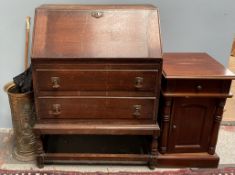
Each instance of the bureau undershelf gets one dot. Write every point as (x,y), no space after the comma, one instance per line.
(81,148)
(113,143)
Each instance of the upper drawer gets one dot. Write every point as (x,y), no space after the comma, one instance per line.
(106,79)
(196,86)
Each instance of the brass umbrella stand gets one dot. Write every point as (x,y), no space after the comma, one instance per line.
(23,115)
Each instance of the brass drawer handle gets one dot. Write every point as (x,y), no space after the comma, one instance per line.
(55,82)
(137,109)
(97,14)
(139,82)
(56,109)
(199,87)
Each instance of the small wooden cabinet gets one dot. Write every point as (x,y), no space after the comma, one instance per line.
(193,95)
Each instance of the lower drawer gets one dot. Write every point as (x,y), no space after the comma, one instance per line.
(106,108)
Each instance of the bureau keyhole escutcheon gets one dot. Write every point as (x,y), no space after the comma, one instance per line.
(97,14)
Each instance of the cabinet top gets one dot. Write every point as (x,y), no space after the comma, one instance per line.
(96,31)
(193,66)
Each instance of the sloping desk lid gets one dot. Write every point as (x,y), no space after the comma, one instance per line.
(107,31)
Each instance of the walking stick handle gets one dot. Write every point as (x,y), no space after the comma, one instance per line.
(26,57)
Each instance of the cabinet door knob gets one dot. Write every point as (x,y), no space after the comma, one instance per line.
(139,82)
(199,87)
(174,126)
(56,109)
(55,82)
(137,109)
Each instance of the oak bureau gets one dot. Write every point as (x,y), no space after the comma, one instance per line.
(97,72)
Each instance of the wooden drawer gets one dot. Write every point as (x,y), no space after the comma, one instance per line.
(196,86)
(96,80)
(106,108)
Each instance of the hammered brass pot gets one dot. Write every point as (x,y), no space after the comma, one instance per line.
(23,118)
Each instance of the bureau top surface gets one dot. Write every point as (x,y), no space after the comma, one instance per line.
(193,66)
(97,6)
(96,31)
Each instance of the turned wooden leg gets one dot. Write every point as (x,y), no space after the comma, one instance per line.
(165,125)
(154,152)
(40,161)
(216,125)
(152,166)
(39,151)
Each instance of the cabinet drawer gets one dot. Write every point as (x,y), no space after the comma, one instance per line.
(96,80)
(84,108)
(196,86)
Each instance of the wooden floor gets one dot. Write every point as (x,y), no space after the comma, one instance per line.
(229,110)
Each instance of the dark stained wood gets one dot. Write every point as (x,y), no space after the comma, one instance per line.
(191,124)
(107,157)
(199,160)
(194,91)
(108,94)
(96,108)
(74,32)
(96,80)
(194,66)
(81,148)
(216,124)
(96,121)
(95,74)
(212,95)
(108,129)
(91,79)
(197,86)
(56,64)
(154,152)
(164,122)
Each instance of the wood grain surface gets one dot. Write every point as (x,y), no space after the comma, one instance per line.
(74,32)
(194,66)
